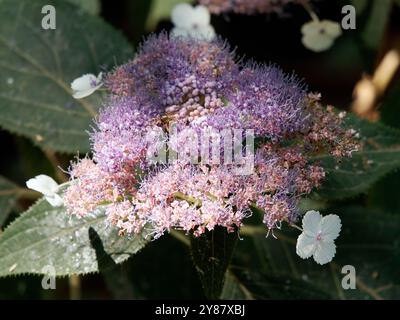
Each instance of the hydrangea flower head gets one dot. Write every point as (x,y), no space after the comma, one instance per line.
(197,86)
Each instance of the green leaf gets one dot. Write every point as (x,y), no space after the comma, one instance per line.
(211,253)
(375,27)
(8,196)
(37,67)
(384,194)
(360,5)
(261,285)
(114,275)
(91,6)
(389,108)
(380,155)
(45,235)
(266,268)
(177,268)
(234,289)
(160,10)
(369,241)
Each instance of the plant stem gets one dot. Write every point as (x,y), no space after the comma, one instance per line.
(247,230)
(25,193)
(74,287)
(178,235)
(60,175)
(189,199)
(296,227)
(310,11)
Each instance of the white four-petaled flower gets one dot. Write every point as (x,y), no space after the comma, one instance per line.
(318,236)
(192,22)
(85,85)
(46,185)
(320,35)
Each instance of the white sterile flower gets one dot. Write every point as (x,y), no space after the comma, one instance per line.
(85,85)
(317,238)
(320,35)
(192,22)
(46,185)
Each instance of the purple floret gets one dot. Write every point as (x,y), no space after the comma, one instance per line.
(266,100)
(166,69)
(118,141)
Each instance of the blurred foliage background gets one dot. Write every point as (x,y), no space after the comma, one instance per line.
(266,268)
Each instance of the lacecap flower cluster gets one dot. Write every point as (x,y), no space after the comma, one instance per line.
(200,86)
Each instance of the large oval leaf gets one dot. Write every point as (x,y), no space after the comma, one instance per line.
(37,67)
(8,196)
(270,268)
(380,155)
(47,236)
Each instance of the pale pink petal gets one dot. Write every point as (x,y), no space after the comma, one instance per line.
(311,223)
(332,28)
(182,15)
(201,16)
(330,227)
(325,252)
(317,42)
(43,184)
(55,200)
(305,246)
